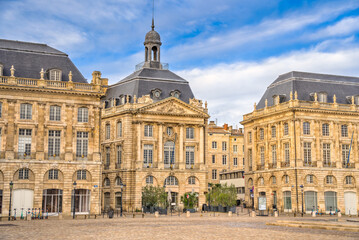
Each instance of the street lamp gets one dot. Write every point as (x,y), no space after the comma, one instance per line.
(11,186)
(74,209)
(122,186)
(302,188)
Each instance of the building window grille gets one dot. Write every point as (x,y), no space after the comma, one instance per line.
(148,154)
(119,129)
(214,145)
(273,131)
(326,153)
(24,173)
(107,182)
(214,174)
(274,180)
(83,115)
(149,180)
(274,155)
(82,144)
(286,153)
(235,161)
(25,141)
(189,155)
(345,153)
(81,175)
(171,181)
(148,131)
(53,174)
(261,134)
(169,153)
(235,148)
(344,130)
(224,146)
(119,155)
(25,111)
(108,156)
(306,128)
(55,113)
(286,179)
(349,180)
(224,159)
(190,133)
(54,143)
(325,129)
(307,146)
(55,75)
(285,132)
(192,180)
(329,179)
(310,178)
(108,131)
(213,159)
(262,156)
(250,137)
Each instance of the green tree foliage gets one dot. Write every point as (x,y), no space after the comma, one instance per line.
(223,195)
(191,201)
(154,196)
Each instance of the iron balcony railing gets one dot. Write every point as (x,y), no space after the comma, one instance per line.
(329,164)
(310,164)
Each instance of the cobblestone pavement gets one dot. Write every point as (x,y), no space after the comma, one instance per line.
(166,227)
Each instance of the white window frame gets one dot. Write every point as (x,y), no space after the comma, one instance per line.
(192,180)
(190,133)
(148,131)
(83,115)
(325,129)
(214,145)
(235,162)
(81,175)
(224,146)
(348,180)
(108,131)
(306,128)
(119,155)
(274,155)
(310,178)
(307,152)
(55,75)
(224,159)
(326,153)
(286,129)
(214,174)
(190,155)
(286,153)
(147,154)
(82,141)
(24,174)
(25,140)
(54,143)
(53,174)
(274,131)
(261,134)
(262,155)
(119,129)
(235,148)
(171,181)
(26,111)
(344,130)
(55,113)
(149,180)
(329,179)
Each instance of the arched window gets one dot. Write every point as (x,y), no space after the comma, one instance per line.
(106,182)
(171,181)
(286,179)
(24,173)
(53,174)
(274,180)
(329,179)
(169,154)
(118,181)
(81,175)
(55,74)
(261,181)
(192,180)
(154,53)
(349,180)
(250,182)
(310,178)
(149,179)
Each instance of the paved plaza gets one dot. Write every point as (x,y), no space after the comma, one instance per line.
(167,227)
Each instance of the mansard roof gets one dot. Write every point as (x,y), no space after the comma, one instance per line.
(28,59)
(305,84)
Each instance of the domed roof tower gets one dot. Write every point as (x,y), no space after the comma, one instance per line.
(153,49)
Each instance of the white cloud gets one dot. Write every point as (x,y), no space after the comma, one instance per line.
(232,89)
(346,26)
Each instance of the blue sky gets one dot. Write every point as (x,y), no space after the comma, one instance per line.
(228,50)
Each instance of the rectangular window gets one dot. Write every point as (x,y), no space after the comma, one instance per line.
(306,128)
(273,130)
(287,198)
(344,131)
(53,174)
(55,113)
(148,154)
(235,161)
(24,173)
(235,148)
(54,143)
(189,155)
(262,155)
(307,153)
(250,159)
(274,155)
(25,141)
(190,133)
(25,111)
(213,159)
(224,159)
(82,144)
(250,137)
(214,145)
(83,115)
(325,129)
(81,175)
(108,131)
(224,146)
(119,155)
(108,156)
(214,174)
(119,129)
(285,130)
(326,153)
(345,153)
(148,131)
(0,108)
(261,134)
(286,153)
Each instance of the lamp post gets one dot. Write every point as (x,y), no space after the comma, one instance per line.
(11,185)
(122,186)
(302,188)
(209,197)
(74,209)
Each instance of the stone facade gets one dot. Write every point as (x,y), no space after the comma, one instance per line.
(299,149)
(225,150)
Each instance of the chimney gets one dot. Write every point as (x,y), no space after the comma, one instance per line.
(225,126)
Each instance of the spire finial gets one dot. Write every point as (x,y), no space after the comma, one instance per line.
(153,15)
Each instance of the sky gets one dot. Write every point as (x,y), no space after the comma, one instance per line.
(228,50)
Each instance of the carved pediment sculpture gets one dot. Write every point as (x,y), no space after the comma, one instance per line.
(145,99)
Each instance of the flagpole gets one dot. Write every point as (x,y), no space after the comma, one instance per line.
(351,142)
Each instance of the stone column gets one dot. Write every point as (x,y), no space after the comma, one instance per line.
(181,146)
(201,145)
(70,136)
(139,147)
(160,146)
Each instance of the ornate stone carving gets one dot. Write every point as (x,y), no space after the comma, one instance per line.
(195,102)
(145,99)
(171,108)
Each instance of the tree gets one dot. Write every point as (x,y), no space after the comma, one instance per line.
(223,195)
(191,201)
(154,196)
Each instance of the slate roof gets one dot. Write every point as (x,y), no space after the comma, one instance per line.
(308,83)
(28,59)
(143,81)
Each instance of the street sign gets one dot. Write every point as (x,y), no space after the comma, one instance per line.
(95,186)
(252,195)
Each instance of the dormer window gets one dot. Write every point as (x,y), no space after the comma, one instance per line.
(175,93)
(55,75)
(278,99)
(322,97)
(156,93)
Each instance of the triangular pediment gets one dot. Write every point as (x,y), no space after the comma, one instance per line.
(172,106)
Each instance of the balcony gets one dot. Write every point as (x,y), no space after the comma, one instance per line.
(87,157)
(55,157)
(329,164)
(192,166)
(171,166)
(284,164)
(310,164)
(150,165)
(260,167)
(350,165)
(272,165)
(25,155)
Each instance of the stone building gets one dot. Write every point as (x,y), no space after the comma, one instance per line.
(154,132)
(49,131)
(301,142)
(225,150)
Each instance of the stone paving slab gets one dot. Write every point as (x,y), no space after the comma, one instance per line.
(165,227)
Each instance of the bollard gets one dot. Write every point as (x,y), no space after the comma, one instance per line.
(313,214)
(157,214)
(339,214)
(275,214)
(133,215)
(230,214)
(188,214)
(253,214)
(143,215)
